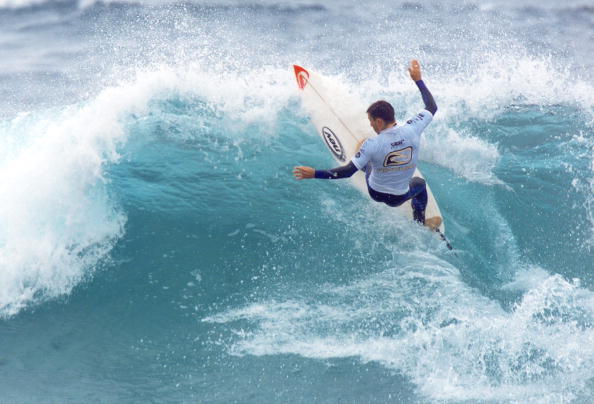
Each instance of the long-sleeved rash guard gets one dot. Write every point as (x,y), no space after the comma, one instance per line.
(350,169)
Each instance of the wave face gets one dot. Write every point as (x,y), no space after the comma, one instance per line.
(153,245)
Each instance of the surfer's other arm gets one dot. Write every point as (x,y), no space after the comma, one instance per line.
(415,74)
(303,172)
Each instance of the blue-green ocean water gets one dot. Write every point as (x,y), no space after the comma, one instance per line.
(155,248)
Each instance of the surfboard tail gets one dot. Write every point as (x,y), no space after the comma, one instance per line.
(301,75)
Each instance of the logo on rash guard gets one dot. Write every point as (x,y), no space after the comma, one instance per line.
(333,143)
(398,157)
(419,117)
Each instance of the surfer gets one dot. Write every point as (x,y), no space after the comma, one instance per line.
(389,159)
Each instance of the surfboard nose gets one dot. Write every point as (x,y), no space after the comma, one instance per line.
(301,75)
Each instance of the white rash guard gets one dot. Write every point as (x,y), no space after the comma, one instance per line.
(393,155)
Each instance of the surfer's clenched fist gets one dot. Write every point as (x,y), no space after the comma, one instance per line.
(415,70)
(303,172)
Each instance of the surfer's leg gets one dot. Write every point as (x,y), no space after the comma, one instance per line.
(418,191)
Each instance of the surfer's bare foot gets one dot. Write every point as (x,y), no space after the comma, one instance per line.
(433,222)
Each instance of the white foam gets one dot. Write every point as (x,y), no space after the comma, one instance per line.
(500,80)
(58,220)
(424,322)
(468,156)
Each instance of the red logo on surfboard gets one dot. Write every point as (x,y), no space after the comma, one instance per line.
(301,75)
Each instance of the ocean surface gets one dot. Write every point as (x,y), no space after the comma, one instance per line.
(154,246)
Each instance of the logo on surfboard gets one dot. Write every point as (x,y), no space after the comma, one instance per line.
(301,75)
(333,143)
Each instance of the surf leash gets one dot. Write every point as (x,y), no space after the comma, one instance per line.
(443,237)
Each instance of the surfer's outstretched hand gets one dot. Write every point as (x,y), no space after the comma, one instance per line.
(303,172)
(415,70)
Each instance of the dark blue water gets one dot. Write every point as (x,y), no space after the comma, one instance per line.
(155,248)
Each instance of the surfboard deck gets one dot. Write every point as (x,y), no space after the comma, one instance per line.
(342,124)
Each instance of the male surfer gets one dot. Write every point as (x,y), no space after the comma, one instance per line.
(390,159)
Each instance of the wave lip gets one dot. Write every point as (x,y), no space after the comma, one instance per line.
(58,218)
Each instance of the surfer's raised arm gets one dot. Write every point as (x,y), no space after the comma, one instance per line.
(415,74)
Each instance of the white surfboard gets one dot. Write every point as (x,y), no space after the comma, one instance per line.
(342,123)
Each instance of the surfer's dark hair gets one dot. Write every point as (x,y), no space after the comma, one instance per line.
(381,109)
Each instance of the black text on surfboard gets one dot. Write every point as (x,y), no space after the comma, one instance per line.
(333,143)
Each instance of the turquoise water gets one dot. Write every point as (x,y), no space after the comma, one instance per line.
(155,248)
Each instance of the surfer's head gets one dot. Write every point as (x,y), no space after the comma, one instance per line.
(381,115)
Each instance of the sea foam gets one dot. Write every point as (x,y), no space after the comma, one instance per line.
(59,218)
